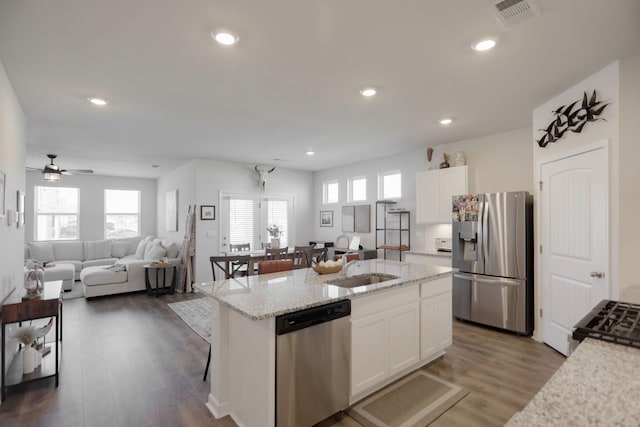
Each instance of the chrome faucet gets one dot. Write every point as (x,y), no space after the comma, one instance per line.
(346,265)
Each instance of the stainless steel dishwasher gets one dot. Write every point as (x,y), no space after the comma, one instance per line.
(313,364)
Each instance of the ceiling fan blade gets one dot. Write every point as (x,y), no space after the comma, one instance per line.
(29,168)
(75,171)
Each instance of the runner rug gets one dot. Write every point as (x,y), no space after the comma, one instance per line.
(415,400)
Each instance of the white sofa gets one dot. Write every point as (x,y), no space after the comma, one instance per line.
(90,259)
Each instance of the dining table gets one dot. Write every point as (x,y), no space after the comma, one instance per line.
(254,257)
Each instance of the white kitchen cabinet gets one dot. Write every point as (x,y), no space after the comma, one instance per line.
(385,336)
(369,362)
(403,325)
(434,190)
(436,317)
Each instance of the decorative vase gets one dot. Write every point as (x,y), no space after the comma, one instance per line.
(460,159)
(28,359)
(275,242)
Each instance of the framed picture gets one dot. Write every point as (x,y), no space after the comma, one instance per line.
(20,209)
(207,212)
(326,218)
(171,210)
(3,178)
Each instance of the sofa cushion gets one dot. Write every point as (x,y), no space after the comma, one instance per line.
(171,247)
(141,248)
(41,251)
(131,241)
(68,250)
(102,261)
(154,250)
(97,249)
(119,249)
(77,265)
(95,276)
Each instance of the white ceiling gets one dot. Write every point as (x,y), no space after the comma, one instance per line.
(292,83)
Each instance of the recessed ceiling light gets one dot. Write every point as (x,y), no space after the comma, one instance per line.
(155,166)
(368,91)
(100,102)
(310,153)
(484,45)
(445,121)
(225,38)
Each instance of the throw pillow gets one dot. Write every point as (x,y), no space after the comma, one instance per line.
(171,247)
(119,249)
(41,252)
(154,251)
(98,249)
(140,250)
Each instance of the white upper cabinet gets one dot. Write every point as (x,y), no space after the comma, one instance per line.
(434,190)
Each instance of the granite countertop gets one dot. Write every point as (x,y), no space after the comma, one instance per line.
(598,385)
(430,253)
(267,295)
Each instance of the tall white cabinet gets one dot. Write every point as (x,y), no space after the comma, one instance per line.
(434,190)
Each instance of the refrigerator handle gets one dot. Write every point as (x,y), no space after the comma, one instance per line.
(516,241)
(485,232)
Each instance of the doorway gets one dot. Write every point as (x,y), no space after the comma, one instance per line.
(574,240)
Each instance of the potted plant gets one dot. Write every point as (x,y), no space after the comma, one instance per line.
(275,233)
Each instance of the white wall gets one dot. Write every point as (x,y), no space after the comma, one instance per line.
(92,201)
(12,162)
(606,82)
(500,162)
(629,236)
(200,183)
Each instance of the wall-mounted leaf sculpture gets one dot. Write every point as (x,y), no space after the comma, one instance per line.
(568,119)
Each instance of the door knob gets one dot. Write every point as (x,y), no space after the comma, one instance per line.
(598,274)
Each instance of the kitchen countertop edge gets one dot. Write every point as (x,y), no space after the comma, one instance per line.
(263,311)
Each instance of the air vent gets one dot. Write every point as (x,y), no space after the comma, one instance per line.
(511,12)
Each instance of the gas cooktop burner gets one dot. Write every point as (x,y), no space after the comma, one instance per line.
(612,321)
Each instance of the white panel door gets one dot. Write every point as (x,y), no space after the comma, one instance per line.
(575,242)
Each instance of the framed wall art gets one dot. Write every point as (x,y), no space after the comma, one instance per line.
(326,218)
(3,178)
(207,212)
(171,210)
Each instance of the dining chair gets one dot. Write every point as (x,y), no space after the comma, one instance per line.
(299,258)
(275,253)
(342,241)
(315,255)
(275,266)
(230,265)
(241,247)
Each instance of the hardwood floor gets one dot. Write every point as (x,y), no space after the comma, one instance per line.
(128,360)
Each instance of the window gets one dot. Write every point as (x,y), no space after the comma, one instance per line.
(56,211)
(121,213)
(330,192)
(358,189)
(249,216)
(390,185)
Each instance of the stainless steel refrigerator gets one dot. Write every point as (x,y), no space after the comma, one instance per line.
(493,250)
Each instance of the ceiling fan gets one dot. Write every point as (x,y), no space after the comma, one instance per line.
(52,172)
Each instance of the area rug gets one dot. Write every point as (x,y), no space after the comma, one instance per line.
(415,400)
(75,292)
(196,313)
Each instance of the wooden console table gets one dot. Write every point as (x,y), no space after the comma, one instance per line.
(15,310)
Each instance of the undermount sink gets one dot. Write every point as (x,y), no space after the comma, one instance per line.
(361,280)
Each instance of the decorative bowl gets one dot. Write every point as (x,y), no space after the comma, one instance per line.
(324,269)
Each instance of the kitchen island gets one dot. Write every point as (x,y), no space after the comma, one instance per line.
(411,315)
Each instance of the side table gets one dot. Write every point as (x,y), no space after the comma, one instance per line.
(164,289)
(15,310)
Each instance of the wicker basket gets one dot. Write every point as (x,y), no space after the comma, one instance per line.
(323,269)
